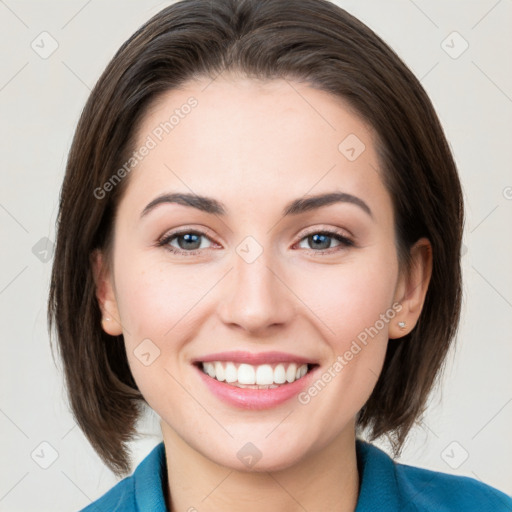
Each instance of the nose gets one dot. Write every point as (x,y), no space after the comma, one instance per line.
(257,296)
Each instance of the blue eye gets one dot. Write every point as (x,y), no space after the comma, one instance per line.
(323,240)
(189,243)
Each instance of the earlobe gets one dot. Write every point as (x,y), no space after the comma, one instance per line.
(412,289)
(105,294)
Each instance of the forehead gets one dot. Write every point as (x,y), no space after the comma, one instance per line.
(244,137)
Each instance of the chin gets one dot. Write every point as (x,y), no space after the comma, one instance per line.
(253,454)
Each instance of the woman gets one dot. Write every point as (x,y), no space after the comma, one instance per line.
(259,237)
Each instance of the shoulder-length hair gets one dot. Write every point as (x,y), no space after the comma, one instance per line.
(311,41)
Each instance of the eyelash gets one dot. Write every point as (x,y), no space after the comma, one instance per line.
(344,241)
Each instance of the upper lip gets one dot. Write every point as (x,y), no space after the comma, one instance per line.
(254,358)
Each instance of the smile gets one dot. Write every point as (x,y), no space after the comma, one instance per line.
(264,376)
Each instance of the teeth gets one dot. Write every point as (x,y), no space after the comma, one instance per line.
(279,374)
(219,372)
(264,375)
(231,372)
(247,375)
(291,373)
(210,370)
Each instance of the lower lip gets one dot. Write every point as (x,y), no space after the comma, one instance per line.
(255,399)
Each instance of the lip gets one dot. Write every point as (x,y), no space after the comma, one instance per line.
(255,399)
(254,358)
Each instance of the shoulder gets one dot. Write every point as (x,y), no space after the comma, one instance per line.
(120,498)
(432,490)
(143,490)
(388,485)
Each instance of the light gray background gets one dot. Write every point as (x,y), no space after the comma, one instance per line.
(41,99)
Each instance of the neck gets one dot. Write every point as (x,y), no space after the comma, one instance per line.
(325,480)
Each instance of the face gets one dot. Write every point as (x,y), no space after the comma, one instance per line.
(260,278)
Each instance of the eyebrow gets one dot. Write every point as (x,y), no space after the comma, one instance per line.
(295,207)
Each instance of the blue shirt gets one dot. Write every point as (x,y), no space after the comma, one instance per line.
(386,486)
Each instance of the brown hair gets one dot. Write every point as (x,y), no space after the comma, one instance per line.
(312,41)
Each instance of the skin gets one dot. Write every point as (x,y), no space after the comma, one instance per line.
(255,146)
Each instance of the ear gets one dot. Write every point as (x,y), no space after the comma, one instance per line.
(105,294)
(412,289)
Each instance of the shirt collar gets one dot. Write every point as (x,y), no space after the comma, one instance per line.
(379,489)
(151,481)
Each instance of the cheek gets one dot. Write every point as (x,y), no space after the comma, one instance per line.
(154,298)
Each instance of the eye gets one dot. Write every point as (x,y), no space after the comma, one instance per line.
(185,242)
(321,241)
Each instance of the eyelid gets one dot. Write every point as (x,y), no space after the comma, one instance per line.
(325,229)
(201,230)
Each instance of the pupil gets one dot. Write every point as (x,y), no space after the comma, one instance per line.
(190,238)
(325,242)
